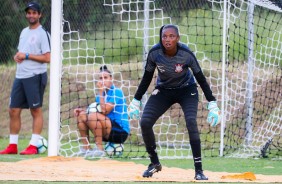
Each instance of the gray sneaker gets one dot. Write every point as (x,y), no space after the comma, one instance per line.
(83,152)
(95,153)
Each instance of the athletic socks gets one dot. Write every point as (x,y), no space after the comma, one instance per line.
(14,138)
(34,139)
(196,151)
(198,163)
(153,154)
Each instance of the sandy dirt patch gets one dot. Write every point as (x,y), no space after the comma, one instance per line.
(78,169)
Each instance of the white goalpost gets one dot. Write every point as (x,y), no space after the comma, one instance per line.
(238,45)
(55,73)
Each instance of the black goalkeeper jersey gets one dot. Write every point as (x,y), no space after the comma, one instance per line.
(173,72)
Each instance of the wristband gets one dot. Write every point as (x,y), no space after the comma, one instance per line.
(26,55)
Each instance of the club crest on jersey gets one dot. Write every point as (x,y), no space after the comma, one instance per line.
(178,68)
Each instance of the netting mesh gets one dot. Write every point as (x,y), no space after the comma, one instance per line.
(119,33)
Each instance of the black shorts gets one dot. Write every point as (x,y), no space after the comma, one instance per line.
(117,135)
(28,93)
(162,99)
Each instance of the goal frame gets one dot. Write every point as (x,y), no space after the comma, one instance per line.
(56,66)
(55,78)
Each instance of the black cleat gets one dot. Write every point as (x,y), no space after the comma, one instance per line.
(152,168)
(199,175)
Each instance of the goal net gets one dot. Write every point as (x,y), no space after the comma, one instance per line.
(246,79)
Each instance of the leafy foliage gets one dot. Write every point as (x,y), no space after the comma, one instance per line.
(12,21)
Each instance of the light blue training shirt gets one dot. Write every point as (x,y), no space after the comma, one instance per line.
(119,112)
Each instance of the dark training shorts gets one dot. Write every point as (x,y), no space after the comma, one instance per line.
(28,93)
(117,135)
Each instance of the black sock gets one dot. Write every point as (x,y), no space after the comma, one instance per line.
(196,151)
(149,140)
(153,154)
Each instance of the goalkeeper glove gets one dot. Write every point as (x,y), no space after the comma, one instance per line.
(134,109)
(214,114)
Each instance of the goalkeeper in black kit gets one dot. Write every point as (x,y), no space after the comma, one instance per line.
(175,84)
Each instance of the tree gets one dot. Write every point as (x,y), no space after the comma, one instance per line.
(12,21)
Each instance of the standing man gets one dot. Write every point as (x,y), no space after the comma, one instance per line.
(30,81)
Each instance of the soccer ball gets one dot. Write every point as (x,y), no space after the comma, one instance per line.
(94,107)
(42,145)
(114,149)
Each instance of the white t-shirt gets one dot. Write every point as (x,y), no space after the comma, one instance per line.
(33,41)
